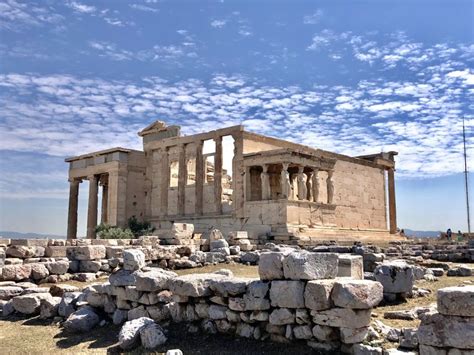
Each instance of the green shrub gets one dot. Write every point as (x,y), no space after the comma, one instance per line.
(140,228)
(105,231)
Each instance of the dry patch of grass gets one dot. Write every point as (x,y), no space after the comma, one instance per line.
(35,336)
(411,303)
(239,270)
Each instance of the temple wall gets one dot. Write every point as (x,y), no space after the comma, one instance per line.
(359,196)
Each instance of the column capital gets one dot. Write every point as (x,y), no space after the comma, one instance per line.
(74,181)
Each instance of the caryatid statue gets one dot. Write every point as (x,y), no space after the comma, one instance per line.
(302,191)
(265,183)
(315,185)
(330,187)
(285,181)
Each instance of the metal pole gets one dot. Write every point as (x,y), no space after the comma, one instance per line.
(466,177)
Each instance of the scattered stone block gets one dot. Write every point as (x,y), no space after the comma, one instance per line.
(446,331)
(152,336)
(82,320)
(89,252)
(130,332)
(456,301)
(153,280)
(310,266)
(16,272)
(30,303)
(8,292)
(133,259)
(395,276)
(193,285)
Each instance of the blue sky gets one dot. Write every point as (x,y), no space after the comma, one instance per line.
(353,77)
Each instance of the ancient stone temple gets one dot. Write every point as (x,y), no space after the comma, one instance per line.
(273,189)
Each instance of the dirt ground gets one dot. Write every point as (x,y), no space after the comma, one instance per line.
(34,336)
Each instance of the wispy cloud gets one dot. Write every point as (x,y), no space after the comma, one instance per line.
(314,18)
(66,115)
(218,23)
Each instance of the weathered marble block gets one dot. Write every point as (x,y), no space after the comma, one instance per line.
(456,301)
(53,251)
(395,276)
(89,252)
(446,331)
(351,266)
(270,266)
(357,294)
(193,285)
(342,317)
(287,294)
(133,259)
(310,266)
(317,294)
(153,280)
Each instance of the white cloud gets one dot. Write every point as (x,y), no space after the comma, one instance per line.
(218,23)
(313,18)
(81,8)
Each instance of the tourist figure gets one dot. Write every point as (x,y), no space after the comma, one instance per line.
(449,234)
(460,237)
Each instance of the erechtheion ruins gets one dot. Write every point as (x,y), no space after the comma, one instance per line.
(274,190)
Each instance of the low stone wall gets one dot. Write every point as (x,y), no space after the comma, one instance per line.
(450,330)
(296,297)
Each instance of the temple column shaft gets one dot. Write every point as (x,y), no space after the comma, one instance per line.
(182,177)
(92,206)
(72,211)
(309,186)
(218,175)
(199,178)
(105,203)
(392,205)
(165,182)
(266,194)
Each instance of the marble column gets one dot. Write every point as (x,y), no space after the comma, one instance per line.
(302,192)
(392,205)
(182,177)
(315,185)
(266,193)
(92,206)
(238,176)
(72,211)
(285,181)
(199,178)
(105,204)
(218,175)
(165,181)
(330,187)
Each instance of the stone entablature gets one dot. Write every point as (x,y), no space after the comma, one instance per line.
(182,178)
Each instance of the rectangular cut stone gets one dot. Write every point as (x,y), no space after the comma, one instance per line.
(193,285)
(287,294)
(90,252)
(310,266)
(317,294)
(55,251)
(456,301)
(270,266)
(446,331)
(351,266)
(342,317)
(357,294)
(395,276)
(30,242)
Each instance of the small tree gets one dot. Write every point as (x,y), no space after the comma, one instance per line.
(105,231)
(140,228)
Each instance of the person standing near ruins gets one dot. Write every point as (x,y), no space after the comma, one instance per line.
(449,234)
